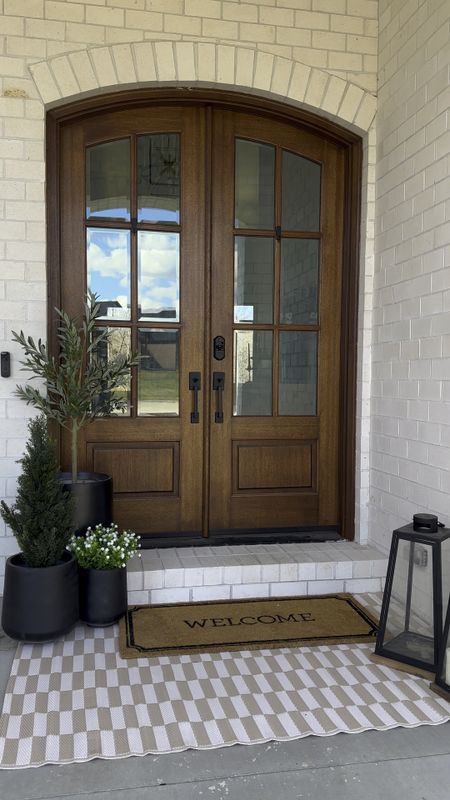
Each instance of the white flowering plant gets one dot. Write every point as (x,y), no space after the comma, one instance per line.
(104,547)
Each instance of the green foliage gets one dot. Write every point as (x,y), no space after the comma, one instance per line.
(104,548)
(80,384)
(42,516)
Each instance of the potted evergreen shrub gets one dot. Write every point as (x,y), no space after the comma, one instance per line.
(40,599)
(79,386)
(102,556)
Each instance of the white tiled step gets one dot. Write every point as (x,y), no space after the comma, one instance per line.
(190,574)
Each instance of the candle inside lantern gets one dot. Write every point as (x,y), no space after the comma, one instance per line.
(447,666)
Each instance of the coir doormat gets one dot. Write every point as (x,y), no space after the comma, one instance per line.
(243,625)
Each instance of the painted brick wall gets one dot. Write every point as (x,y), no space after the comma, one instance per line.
(336,36)
(410,446)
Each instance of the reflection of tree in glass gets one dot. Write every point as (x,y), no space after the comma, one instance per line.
(116,346)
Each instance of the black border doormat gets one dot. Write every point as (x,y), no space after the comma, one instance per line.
(228,625)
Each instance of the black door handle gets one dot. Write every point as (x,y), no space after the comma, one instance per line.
(218,386)
(195,386)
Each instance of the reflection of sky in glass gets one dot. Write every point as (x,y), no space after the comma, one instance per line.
(158,214)
(108,266)
(109,213)
(158,264)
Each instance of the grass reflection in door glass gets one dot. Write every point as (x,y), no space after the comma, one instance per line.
(158,372)
(118,344)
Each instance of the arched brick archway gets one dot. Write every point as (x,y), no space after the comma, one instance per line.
(197,63)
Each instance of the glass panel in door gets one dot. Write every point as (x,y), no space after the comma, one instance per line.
(158,372)
(158,175)
(109,271)
(299,281)
(158,275)
(254,185)
(108,180)
(134,270)
(298,373)
(300,193)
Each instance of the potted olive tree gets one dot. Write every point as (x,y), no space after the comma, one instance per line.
(40,599)
(84,381)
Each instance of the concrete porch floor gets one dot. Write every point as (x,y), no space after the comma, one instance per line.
(392,765)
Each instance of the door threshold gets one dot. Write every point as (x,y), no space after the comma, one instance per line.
(241,537)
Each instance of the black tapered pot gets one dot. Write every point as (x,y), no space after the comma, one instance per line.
(40,604)
(103,595)
(93,497)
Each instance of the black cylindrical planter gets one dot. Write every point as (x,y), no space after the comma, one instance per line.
(92,493)
(103,595)
(39,603)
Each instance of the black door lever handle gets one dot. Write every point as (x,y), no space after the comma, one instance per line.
(194,386)
(218,387)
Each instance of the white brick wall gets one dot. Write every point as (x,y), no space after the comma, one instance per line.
(321,52)
(211,573)
(410,448)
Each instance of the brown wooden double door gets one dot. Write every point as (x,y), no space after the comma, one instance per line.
(213,239)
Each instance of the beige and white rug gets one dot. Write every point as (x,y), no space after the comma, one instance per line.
(77,699)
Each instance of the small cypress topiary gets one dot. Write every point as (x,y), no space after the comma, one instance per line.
(42,517)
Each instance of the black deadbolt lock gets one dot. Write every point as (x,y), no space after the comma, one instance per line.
(219,348)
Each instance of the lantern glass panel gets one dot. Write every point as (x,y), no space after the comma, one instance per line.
(409,630)
(443,674)
(445,548)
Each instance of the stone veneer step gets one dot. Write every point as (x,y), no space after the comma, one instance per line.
(191,574)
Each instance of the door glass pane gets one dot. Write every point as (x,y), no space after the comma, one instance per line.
(299,281)
(253,279)
(158,178)
(158,372)
(108,180)
(254,185)
(158,275)
(300,194)
(298,373)
(118,344)
(252,373)
(108,270)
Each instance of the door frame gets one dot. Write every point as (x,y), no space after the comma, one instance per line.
(351,144)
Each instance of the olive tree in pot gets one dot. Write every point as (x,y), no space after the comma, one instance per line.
(81,384)
(40,599)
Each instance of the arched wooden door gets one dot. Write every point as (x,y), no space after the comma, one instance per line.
(214,239)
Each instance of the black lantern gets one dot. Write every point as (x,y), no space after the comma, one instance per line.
(418,578)
(441,684)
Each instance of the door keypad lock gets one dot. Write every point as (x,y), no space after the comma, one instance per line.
(219,348)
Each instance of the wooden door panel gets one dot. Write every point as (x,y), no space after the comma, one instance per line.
(145,468)
(156,461)
(259,511)
(281,466)
(291,480)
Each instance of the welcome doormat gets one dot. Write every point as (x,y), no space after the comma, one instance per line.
(76,699)
(213,626)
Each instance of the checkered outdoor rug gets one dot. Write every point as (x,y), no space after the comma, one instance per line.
(77,699)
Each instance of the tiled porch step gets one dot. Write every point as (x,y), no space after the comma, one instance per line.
(222,573)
